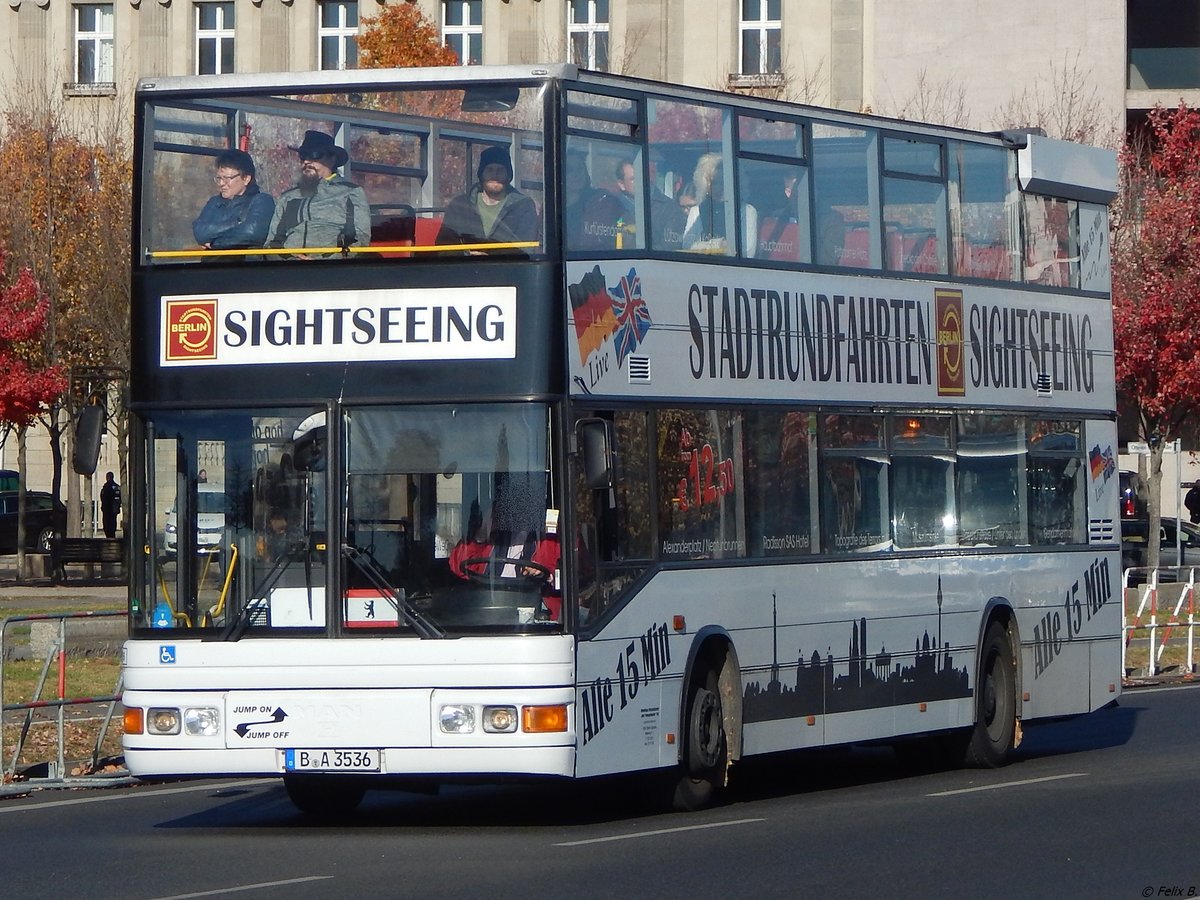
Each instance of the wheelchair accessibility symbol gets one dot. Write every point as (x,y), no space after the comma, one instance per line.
(166,654)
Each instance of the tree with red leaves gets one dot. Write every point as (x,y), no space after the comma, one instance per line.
(25,389)
(1156,283)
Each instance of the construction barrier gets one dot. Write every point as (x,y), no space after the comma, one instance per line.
(1166,601)
(53,773)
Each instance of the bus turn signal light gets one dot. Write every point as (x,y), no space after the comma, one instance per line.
(542,719)
(133,721)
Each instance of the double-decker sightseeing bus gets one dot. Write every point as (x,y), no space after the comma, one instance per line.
(648,429)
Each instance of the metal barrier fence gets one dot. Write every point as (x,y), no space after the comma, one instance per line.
(56,769)
(1160,610)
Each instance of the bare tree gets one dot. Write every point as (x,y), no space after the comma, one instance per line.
(1066,105)
(943,101)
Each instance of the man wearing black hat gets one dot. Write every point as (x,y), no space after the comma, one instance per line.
(238,215)
(493,211)
(324,209)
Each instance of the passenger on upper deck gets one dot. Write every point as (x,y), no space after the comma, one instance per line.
(324,209)
(239,214)
(666,216)
(493,211)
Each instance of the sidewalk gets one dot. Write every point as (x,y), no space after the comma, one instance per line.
(35,592)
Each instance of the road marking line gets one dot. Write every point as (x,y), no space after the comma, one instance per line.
(656,832)
(247,887)
(5,808)
(1006,784)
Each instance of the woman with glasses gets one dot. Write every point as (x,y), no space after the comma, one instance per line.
(239,215)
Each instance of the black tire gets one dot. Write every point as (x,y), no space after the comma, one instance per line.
(324,795)
(46,538)
(705,752)
(993,738)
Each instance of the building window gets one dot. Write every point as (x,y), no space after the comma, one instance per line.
(94,43)
(337,36)
(462,29)
(214,38)
(760,29)
(587,32)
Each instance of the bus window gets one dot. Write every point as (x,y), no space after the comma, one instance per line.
(914,206)
(984,191)
(1057,482)
(846,211)
(690,146)
(991,480)
(1051,256)
(613,539)
(598,212)
(700,487)
(781,460)
(854,484)
(922,481)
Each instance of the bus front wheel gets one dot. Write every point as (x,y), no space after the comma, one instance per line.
(706,752)
(994,736)
(318,795)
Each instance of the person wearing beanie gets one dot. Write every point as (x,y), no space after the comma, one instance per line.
(238,216)
(493,211)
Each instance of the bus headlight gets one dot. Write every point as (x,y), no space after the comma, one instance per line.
(162,720)
(457,718)
(202,721)
(499,719)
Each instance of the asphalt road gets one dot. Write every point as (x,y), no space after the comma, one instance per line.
(1101,806)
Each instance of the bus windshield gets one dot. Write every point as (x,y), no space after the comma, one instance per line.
(339,174)
(447,521)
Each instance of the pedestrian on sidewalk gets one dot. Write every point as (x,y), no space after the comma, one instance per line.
(110,505)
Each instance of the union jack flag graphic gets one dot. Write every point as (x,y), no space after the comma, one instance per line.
(633,318)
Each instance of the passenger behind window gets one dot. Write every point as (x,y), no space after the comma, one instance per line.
(493,211)
(591,215)
(831,238)
(706,220)
(238,216)
(324,209)
(779,233)
(666,215)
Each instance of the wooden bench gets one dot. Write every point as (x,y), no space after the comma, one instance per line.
(86,551)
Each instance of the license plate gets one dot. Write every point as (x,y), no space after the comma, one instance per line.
(331,760)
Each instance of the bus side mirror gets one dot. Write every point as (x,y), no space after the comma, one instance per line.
(88,429)
(596,443)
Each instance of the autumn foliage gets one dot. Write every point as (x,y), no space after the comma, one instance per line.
(402,37)
(25,388)
(1156,275)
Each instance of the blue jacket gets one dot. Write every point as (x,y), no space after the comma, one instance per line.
(240,222)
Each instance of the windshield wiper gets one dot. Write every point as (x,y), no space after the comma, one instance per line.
(369,566)
(260,596)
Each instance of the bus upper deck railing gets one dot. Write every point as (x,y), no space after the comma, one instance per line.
(200,252)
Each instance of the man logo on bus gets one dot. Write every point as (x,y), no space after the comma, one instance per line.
(951,374)
(191,329)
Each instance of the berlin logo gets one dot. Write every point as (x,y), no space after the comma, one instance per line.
(191,329)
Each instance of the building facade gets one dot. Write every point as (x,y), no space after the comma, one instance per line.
(1082,69)
(954,61)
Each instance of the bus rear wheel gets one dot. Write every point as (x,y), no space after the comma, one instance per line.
(323,795)
(993,738)
(706,752)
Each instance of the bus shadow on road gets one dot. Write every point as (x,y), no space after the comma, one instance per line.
(608,800)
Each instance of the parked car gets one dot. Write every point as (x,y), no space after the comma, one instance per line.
(1135,541)
(1134,494)
(45,520)
(210,521)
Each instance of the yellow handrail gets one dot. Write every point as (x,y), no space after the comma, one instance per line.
(373,248)
(214,611)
